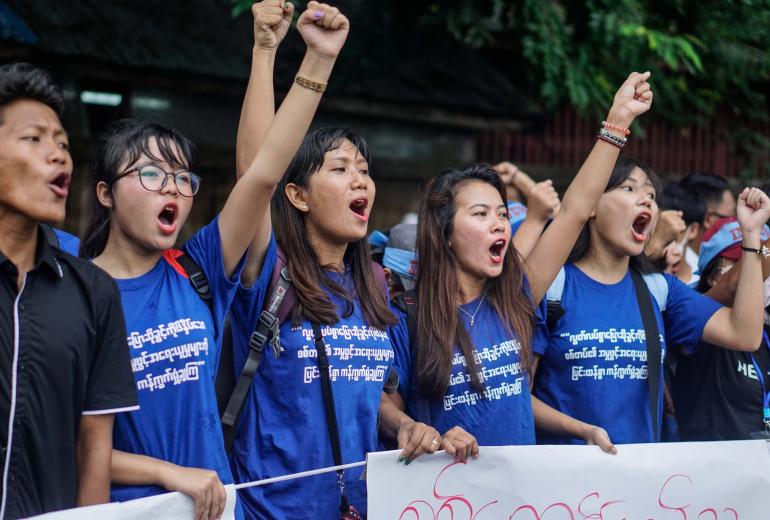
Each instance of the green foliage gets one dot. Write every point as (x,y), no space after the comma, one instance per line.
(578,51)
(707,56)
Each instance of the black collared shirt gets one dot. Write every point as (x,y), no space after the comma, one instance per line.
(63,354)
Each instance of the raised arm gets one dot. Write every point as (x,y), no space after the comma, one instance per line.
(271,24)
(324,30)
(740,327)
(633,99)
(542,202)
(272,19)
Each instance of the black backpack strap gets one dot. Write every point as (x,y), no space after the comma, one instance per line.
(653,347)
(224,384)
(554,312)
(197,277)
(330,412)
(266,326)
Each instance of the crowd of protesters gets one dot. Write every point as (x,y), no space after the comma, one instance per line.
(623,312)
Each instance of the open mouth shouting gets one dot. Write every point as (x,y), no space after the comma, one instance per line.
(359,207)
(167,219)
(60,184)
(641,226)
(497,251)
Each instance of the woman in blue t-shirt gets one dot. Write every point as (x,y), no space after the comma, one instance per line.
(593,359)
(464,370)
(322,205)
(144,195)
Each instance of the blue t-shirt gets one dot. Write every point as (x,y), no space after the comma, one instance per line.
(502,414)
(283,428)
(517,212)
(174,344)
(67,242)
(594,362)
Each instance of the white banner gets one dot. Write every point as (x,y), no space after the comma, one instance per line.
(169,506)
(676,481)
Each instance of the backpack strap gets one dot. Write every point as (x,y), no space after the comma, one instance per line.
(407,303)
(658,287)
(267,326)
(644,300)
(290,298)
(224,383)
(553,300)
(188,268)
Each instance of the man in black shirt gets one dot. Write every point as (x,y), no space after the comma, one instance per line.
(718,393)
(64,361)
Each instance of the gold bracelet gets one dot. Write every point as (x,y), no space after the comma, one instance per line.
(312,85)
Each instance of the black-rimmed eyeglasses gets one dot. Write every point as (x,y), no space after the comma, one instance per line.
(155,178)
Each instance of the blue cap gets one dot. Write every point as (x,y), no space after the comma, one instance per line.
(724,238)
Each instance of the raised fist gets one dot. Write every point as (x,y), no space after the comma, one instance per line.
(753,210)
(507,171)
(272,19)
(633,98)
(542,201)
(323,28)
(667,229)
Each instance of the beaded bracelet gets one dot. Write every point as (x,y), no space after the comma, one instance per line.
(611,138)
(618,128)
(312,85)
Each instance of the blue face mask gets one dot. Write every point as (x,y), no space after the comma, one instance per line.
(401,261)
(378,239)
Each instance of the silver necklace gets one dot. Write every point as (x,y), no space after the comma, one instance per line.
(473,316)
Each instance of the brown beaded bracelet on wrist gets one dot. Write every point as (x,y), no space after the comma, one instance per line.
(312,85)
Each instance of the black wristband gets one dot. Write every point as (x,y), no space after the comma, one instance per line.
(762,251)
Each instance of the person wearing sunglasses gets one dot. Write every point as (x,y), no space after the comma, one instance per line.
(144,193)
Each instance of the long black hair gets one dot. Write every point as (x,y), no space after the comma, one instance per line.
(123,143)
(307,273)
(438,326)
(622,171)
